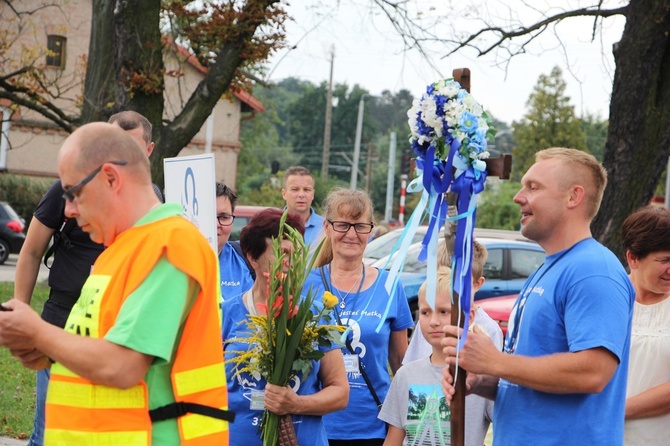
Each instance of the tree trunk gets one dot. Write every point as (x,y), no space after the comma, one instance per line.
(638,142)
(174,137)
(126,42)
(139,58)
(99,82)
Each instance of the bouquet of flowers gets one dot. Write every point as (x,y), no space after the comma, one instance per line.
(449,120)
(449,129)
(286,334)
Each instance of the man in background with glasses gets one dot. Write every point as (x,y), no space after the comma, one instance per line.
(147,320)
(236,274)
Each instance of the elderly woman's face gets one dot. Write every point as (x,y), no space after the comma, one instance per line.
(349,244)
(653,272)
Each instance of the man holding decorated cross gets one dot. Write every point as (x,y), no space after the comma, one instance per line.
(562,376)
(139,361)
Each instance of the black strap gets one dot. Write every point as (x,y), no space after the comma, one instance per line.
(60,238)
(238,249)
(176,410)
(361,366)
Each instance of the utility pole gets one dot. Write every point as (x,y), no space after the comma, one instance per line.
(368,167)
(325,162)
(390,178)
(357,143)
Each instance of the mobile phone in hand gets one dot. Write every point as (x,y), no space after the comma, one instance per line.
(3,308)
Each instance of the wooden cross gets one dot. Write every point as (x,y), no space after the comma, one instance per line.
(500,167)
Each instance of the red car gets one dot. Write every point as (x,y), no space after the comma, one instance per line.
(499,309)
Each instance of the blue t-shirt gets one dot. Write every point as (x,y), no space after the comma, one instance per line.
(313,229)
(578,300)
(244,431)
(235,275)
(363,313)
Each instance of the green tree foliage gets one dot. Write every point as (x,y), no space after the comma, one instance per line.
(23,193)
(596,134)
(291,132)
(504,141)
(549,122)
(306,127)
(496,208)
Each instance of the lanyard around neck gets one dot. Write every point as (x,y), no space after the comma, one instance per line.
(512,339)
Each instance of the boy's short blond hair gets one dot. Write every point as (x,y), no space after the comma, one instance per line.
(443,279)
(479,256)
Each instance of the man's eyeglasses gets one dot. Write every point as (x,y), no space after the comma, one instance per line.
(344,226)
(74,191)
(225,219)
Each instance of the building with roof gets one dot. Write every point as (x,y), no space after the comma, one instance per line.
(29,142)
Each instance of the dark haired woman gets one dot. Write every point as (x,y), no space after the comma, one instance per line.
(323,391)
(646,239)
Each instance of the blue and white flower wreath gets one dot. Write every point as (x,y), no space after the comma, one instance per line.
(449,131)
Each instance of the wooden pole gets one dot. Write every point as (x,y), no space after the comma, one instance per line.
(462,76)
(500,167)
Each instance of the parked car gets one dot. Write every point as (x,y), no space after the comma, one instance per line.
(499,308)
(242,216)
(509,264)
(383,245)
(11,232)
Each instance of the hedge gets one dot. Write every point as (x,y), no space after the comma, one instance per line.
(23,193)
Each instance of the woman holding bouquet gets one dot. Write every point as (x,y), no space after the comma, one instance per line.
(307,398)
(363,303)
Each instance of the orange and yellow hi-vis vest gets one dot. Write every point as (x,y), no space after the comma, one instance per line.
(79,412)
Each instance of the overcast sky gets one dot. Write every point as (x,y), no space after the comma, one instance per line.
(368,52)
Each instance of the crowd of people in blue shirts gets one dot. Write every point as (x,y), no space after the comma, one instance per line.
(585,360)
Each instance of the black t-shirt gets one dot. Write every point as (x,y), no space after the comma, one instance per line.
(71,265)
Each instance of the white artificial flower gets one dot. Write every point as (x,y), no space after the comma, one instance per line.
(449,89)
(459,135)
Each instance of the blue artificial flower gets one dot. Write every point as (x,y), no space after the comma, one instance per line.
(440,102)
(478,141)
(468,122)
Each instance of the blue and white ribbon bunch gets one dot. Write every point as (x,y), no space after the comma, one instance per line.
(449,129)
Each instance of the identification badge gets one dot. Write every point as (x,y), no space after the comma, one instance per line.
(257,400)
(351,363)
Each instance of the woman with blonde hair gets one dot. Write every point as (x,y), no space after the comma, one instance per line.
(376,333)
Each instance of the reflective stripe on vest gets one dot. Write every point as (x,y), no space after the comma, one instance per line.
(67,437)
(82,413)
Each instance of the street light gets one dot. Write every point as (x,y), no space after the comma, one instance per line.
(357,144)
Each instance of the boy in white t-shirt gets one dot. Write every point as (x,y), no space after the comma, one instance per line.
(418,347)
(415,407)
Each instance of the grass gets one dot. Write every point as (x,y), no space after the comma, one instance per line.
(17,384)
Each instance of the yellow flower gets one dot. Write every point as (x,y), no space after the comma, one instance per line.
(329,300)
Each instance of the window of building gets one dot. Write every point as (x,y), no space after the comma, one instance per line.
(56,55)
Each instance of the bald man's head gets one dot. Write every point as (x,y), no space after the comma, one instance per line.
(96,143)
